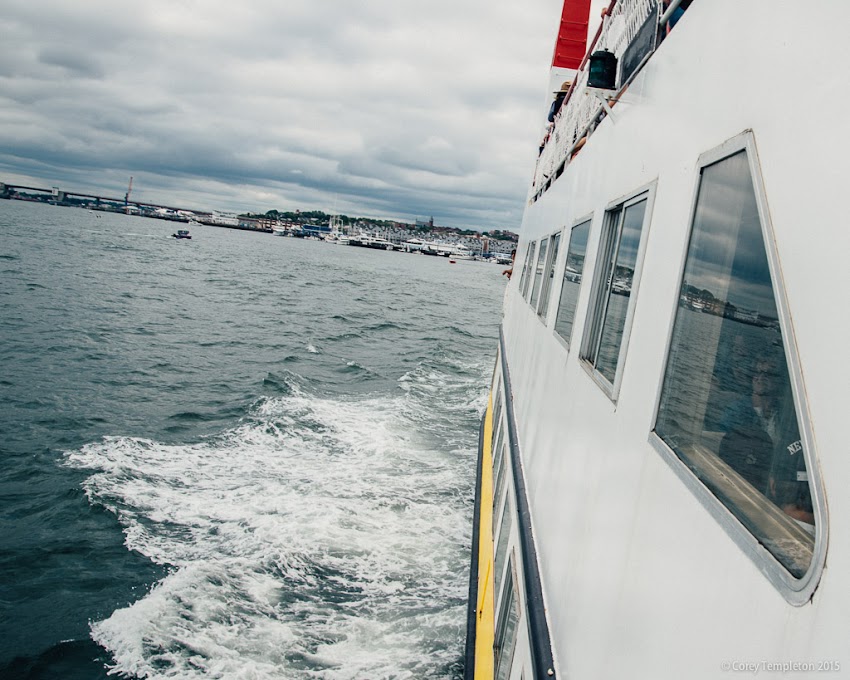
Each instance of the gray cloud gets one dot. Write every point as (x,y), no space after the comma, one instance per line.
(73,62)
(392,109)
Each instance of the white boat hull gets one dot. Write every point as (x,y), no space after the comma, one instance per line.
(642,577)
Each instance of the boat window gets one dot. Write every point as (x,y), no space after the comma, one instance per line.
(727,406)
(496,387)
(497,452)
(499,465)
(497,421)
(538,271)
(506,629)
(572,280)
(526,269)
(613,299)
(524,272)
(498,435)
(502,542)
(549,276)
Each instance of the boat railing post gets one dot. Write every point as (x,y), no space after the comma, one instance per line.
(672,7)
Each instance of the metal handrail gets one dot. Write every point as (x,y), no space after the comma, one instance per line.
(540,643)
(672,7)
(578,114)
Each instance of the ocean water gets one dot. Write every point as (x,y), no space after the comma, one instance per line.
(240,456)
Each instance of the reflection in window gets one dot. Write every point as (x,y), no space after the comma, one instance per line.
(526,270)
(727,409)
(497,420)
(499,475)
(538,271)
(502,544)
(506,630)
(572,280)
(497,458)
(618,259)
(497,445)
(551,261)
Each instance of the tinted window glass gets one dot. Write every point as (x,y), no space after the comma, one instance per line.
(506,631)
(727,408)
(620,278)
(526,270)
(500,476)
(502,545)
(497,419)
(538,271)
(497,454)
(612,297)
(552,260)
(572,280)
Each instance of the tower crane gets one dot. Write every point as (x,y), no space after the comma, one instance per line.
(129,189)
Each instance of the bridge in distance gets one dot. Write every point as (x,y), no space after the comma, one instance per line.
(61,197)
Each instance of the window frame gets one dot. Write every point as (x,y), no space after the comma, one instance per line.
(500,434)
(507,519)
(587,271)
(549,267)
(509,585)
(496,383)
(796,591)
(500,479)
(595,314)
(498,461)
(532,300)
(530,252)
(497,428)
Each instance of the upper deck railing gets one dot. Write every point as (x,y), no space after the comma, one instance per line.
(581,111)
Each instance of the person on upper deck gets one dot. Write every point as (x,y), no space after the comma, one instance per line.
(559,100)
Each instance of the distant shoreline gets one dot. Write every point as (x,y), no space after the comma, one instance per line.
(314,225)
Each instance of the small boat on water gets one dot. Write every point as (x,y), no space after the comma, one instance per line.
(663,470)
(182,233)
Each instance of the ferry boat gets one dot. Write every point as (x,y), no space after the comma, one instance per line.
(663,461)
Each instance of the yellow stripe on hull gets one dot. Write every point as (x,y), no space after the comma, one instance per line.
(485,616)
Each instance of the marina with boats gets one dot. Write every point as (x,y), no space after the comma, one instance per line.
(420,237)
(661,476)
(455,250)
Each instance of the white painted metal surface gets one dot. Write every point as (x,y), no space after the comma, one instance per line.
(641,581)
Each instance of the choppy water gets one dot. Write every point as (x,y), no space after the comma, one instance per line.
(239,456)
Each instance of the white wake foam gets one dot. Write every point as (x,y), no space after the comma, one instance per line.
(319,539)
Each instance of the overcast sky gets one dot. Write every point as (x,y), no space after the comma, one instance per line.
(397,109)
